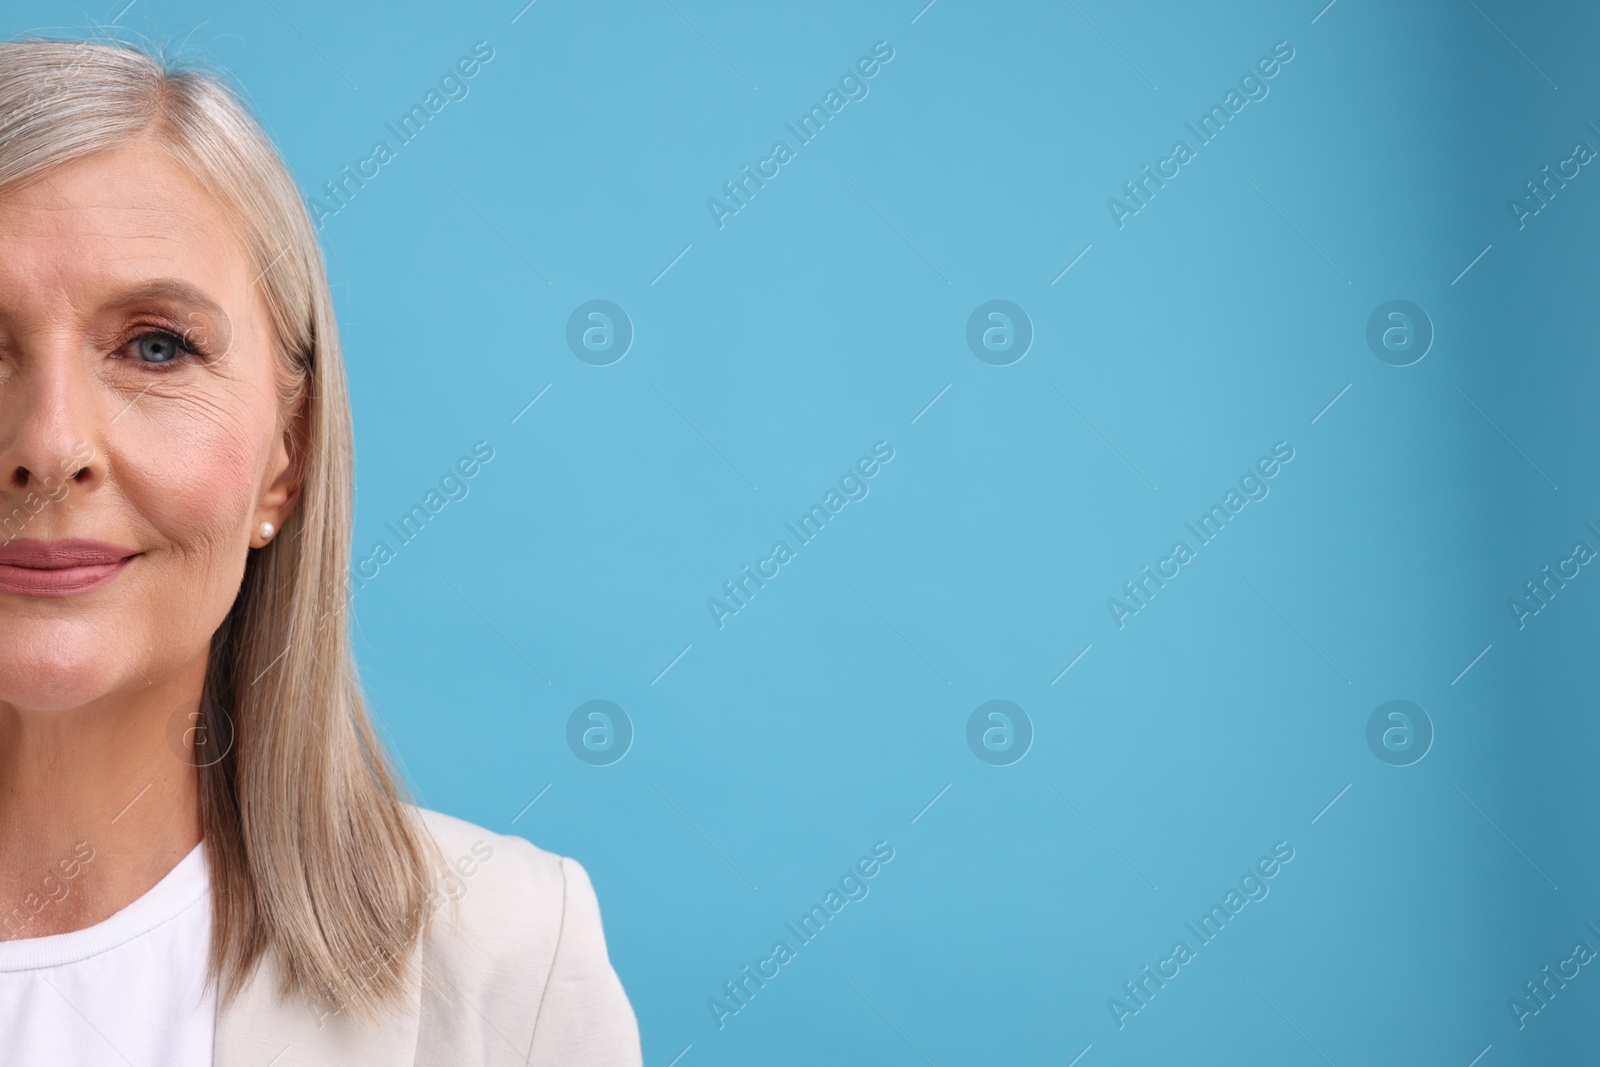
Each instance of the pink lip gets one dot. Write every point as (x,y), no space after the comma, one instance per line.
(60,568)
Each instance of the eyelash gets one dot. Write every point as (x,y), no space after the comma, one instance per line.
(186,347)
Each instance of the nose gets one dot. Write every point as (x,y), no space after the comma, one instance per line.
(48,427)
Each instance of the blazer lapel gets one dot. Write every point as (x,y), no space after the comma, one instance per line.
(260,1029)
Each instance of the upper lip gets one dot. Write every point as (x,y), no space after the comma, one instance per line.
(63,554)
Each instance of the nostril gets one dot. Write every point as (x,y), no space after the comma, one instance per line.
(73,470)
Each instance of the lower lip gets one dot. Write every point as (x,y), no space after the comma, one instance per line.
(68,581)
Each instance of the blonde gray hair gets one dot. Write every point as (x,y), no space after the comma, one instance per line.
(315,854)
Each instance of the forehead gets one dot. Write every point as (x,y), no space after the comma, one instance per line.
(113,219)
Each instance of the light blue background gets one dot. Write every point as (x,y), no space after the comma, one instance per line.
(824,317)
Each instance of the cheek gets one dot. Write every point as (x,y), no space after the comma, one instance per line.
(184,471)
(191,470)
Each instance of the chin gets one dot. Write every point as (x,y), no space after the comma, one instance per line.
(57,665)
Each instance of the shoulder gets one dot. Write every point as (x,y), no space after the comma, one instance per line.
(493,865)
(506,895)
(516,954)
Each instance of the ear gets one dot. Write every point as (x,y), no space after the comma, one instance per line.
(286,471)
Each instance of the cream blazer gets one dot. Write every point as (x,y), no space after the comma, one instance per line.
(518,974)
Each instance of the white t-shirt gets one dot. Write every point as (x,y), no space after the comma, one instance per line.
(130,989)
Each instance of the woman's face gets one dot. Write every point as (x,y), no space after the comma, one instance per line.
(139,408)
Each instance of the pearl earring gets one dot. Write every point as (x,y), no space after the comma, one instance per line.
(267,530)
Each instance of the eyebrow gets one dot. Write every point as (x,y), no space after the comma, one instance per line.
(174,291)
(166,289)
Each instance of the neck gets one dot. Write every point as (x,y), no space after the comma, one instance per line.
(97,805)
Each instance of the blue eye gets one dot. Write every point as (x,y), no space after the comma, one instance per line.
(159,347)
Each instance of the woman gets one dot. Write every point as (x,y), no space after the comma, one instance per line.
(204,856)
